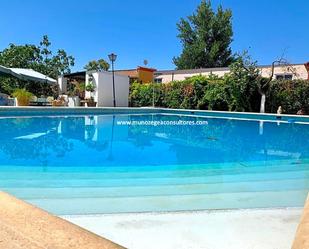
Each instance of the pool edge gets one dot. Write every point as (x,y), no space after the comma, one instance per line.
(26,226)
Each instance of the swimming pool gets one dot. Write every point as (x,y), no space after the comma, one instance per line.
(148,161)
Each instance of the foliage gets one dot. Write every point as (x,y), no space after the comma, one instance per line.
(216,97)
(141,94)
(90,87)
(206,37)
(97,65)
(242,83)
(236,91)
(185,94)
(76,89)
(292,95)
(23,96)
(37,57)
(22,93)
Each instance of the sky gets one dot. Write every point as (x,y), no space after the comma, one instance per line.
(146,29)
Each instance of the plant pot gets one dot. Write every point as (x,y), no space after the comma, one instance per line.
(74,101)
(91,104)
(22,101)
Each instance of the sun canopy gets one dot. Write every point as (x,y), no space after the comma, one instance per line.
(26,74)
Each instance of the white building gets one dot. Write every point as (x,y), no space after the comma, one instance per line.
(103,93)
(293,71)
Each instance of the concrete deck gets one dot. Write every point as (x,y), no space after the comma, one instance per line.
(23,226)
(302,235)
(234,229)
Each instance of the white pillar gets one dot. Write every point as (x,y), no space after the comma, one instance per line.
(62,83)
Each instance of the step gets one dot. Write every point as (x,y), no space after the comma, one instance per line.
(105,182)
(83,206)
(152,190)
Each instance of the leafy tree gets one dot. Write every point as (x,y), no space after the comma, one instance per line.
(97,65)
(242,82)
(22,56)
(37,57)
(206,37)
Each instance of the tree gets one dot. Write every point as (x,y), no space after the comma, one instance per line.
(206,37)
(265,82)
(262,84)
(242,83)
(37,57)
(99,65)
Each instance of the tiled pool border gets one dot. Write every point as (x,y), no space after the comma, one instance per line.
(38,111)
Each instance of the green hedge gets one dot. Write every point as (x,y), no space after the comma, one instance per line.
(229,93)
(292,95)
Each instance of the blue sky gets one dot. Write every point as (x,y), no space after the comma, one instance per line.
(146,29)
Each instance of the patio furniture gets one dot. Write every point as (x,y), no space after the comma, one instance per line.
(40,102)
(61,101)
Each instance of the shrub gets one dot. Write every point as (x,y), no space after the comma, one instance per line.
(216,97)
(23,97)
(237,91)
(292,95)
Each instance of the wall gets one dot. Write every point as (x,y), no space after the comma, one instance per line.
(298,70)
(103,94)
(182,76)
(62,83)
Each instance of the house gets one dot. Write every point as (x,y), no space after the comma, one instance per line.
(287,72)
(104,94)
(140,74)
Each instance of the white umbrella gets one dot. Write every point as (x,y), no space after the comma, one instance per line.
(26,74)
(4,70)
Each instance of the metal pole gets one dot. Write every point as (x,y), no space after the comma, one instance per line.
(153,94)
(114,98)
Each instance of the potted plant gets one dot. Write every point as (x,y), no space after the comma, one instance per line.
(22,96)
(90,87)
(73,98)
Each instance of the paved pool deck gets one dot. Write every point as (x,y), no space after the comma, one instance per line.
(24,226)
(232,229)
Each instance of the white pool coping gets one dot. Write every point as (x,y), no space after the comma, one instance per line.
(230,229)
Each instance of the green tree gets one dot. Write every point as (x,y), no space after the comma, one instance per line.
(242,83)
(97,65)
(37,57)
(206,37)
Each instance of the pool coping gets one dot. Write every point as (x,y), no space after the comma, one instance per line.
(302,234)
(24,226)
(7,111)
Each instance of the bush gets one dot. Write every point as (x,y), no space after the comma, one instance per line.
(23,97)
(292,95)
(216,97)
(236,91)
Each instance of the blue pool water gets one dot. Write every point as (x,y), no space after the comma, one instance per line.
(98,164)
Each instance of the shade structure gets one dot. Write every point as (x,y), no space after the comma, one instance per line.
(26,74)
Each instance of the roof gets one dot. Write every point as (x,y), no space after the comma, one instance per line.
(147,69)
(191,71)
(80,73)
(132,73)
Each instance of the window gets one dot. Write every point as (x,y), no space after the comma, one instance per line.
(158,80)
(284,76)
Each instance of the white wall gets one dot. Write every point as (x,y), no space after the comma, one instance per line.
(103,94)
(298,71)
(62,83)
